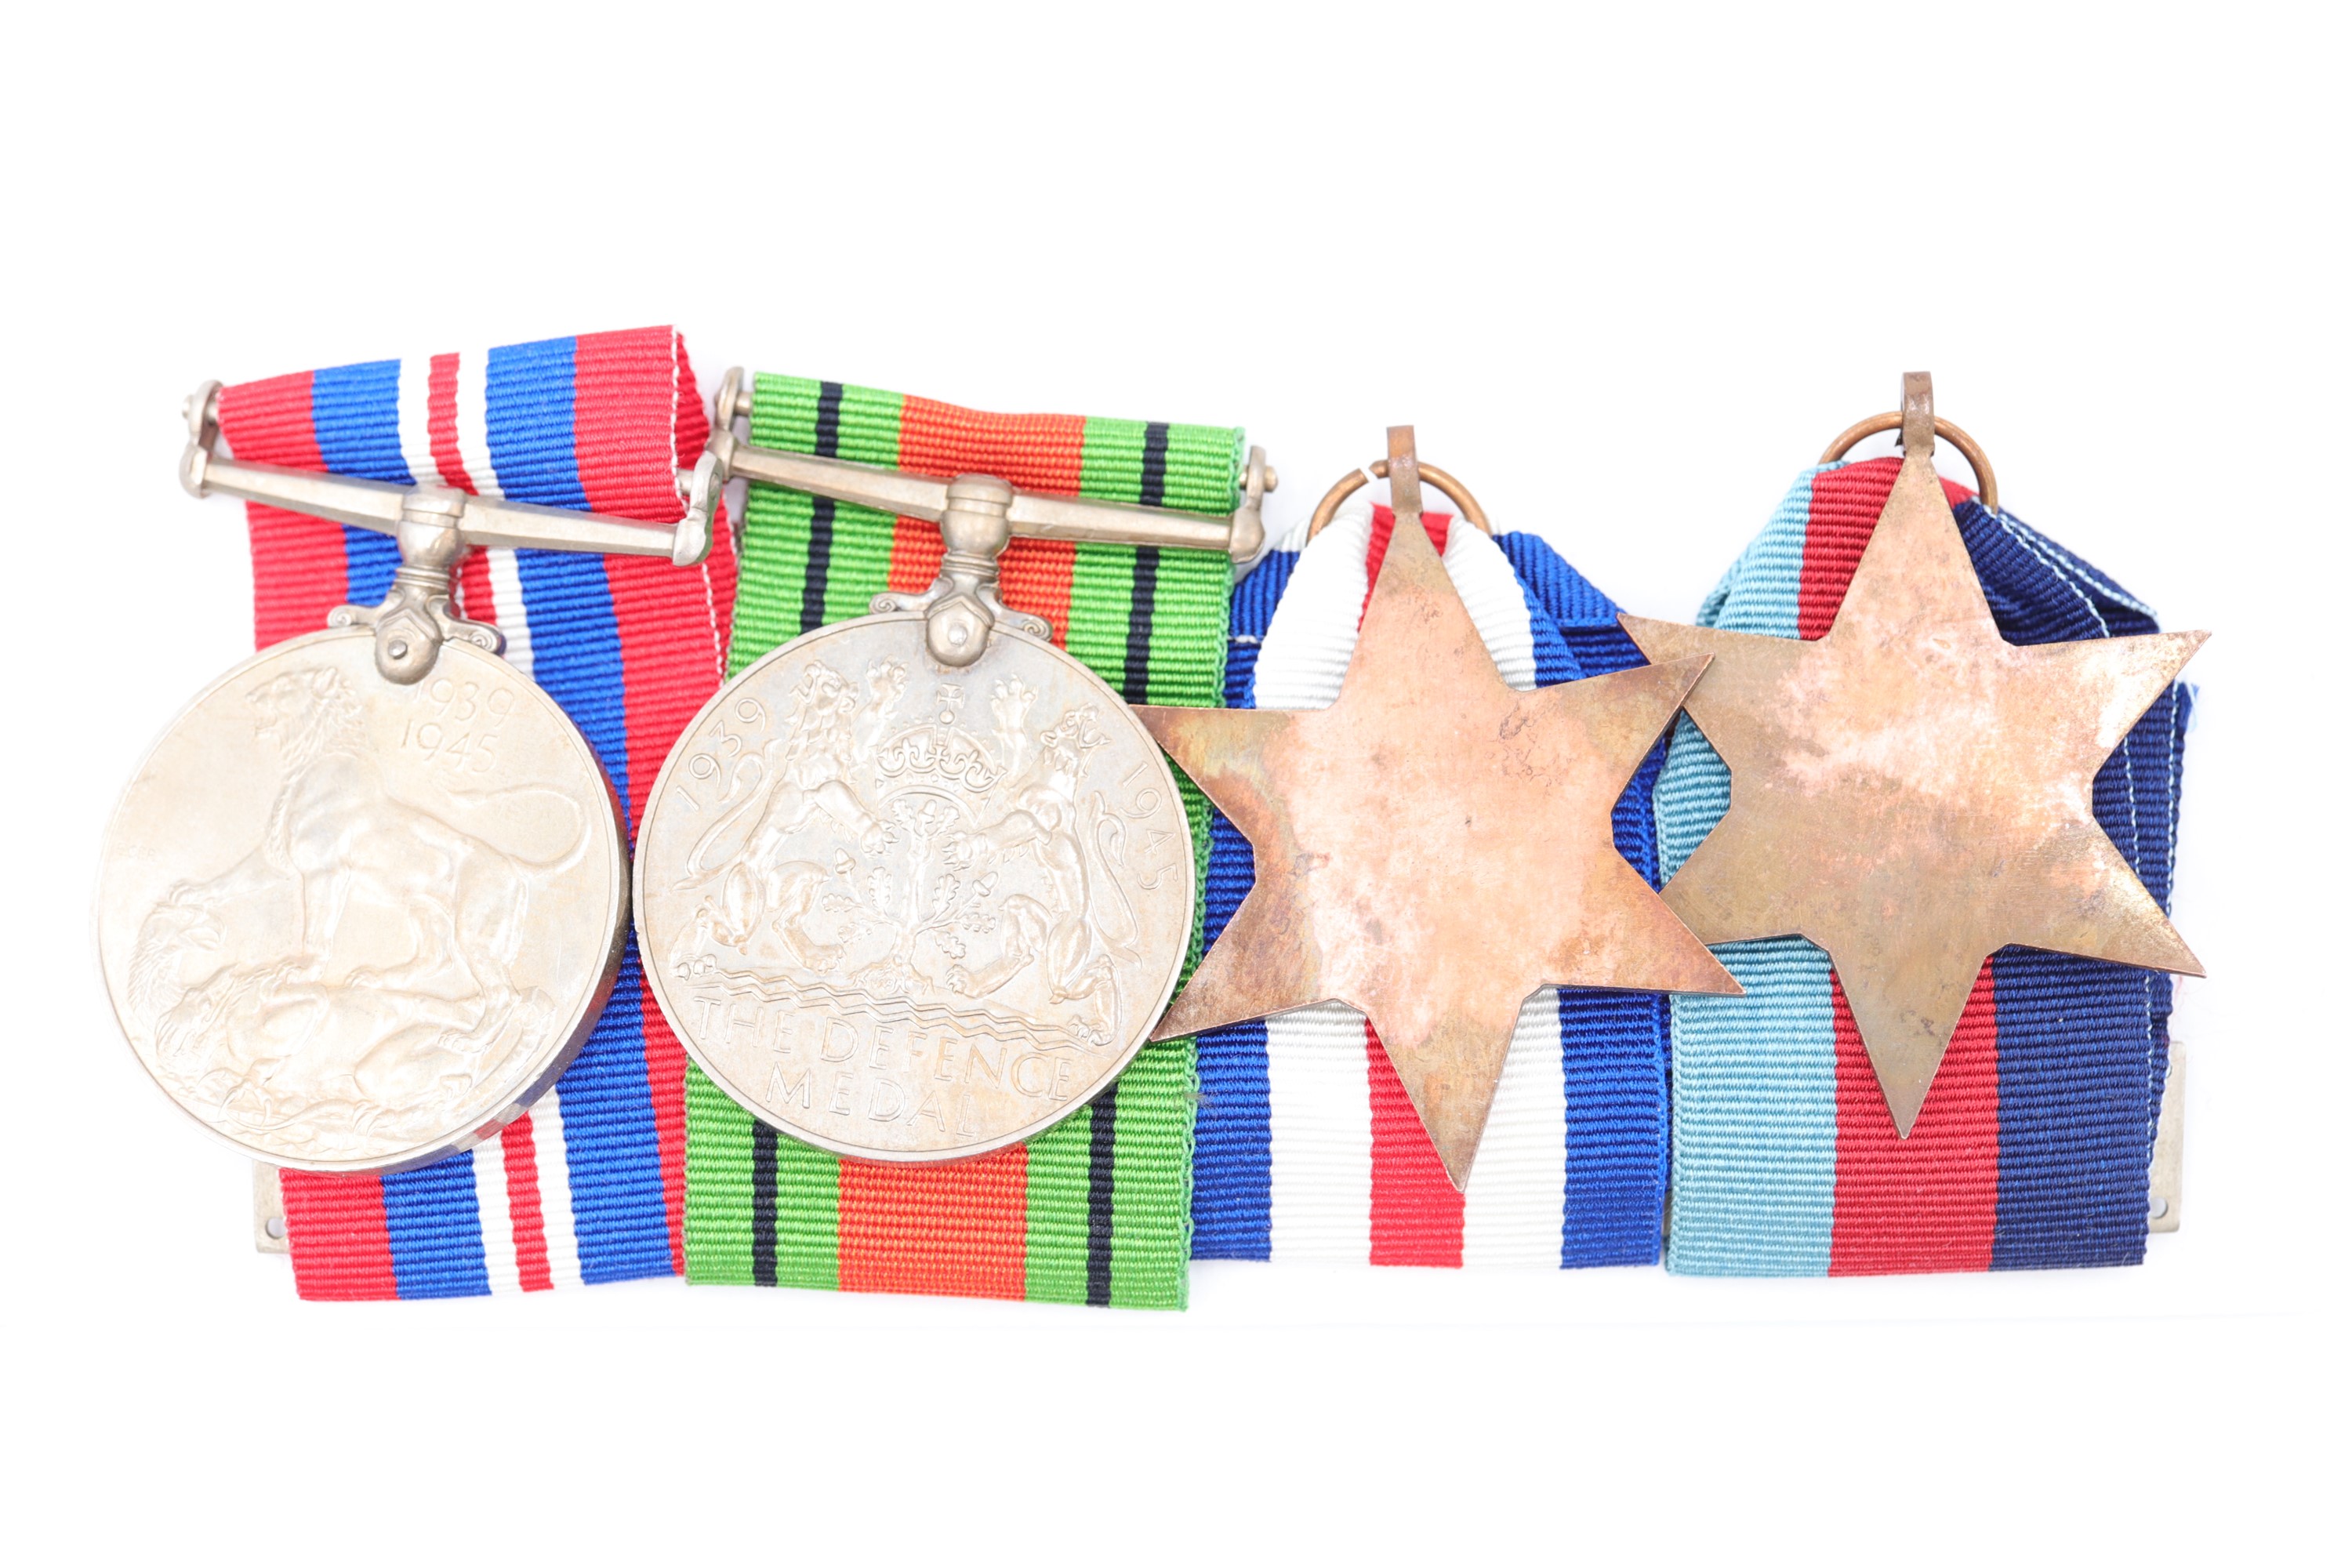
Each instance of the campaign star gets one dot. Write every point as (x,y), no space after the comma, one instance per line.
(1912,793)
(1434,846)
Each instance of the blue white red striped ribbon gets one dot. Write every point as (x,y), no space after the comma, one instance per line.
(2032,1148)
(1305,1144)
(589,1186)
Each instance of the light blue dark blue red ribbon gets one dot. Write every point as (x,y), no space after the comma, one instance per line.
(2032,1149)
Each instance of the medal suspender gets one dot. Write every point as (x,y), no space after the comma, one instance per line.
(589,1186)
(1096,1210)
(1307,1146)
(2032,1150)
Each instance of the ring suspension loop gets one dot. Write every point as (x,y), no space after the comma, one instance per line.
(1978,464)
(1453,489)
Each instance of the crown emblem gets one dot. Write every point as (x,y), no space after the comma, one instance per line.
(939,753)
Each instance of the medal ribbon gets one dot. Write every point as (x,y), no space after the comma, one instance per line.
(1096,1209)
(2032,1150)
(589,1186)
(1307,1147)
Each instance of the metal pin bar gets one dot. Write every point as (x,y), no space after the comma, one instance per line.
(883,490)
(268,1212)
(1031,515)
(1035,516)
(381,507)
(2164,1158)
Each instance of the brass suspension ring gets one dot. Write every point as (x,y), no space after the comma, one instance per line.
(1453,489)
(1978,464)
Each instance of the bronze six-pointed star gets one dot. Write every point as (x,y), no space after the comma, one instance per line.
(1434,846)
(1911,792)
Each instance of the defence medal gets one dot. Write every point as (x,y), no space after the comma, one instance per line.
(1434,846)
(917,886)
(1912,793)
(364,901)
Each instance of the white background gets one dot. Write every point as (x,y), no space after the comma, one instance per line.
(1627,277)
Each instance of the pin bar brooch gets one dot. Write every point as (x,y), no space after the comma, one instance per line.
(977,514)
(435,526)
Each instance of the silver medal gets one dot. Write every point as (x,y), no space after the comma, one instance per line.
(353,925)
(917,886)
(365,899)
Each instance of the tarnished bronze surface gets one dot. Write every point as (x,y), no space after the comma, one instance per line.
(1435,845)
(1911,792)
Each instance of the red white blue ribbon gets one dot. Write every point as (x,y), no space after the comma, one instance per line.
(589,1186)
(1305,1144)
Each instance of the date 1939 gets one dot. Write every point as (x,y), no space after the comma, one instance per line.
(460,730)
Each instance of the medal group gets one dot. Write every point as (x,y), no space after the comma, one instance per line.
(589,881)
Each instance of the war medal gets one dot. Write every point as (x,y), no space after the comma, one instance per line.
(364,899)
(917,885)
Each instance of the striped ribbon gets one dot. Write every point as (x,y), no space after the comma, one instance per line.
(1306,1146)
(2032,1149)
(589,1186)
(1096,1209)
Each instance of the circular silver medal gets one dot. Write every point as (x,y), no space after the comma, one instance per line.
(349,924)
(909,911)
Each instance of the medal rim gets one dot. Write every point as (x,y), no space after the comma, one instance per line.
(477,1130)
(657,979)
